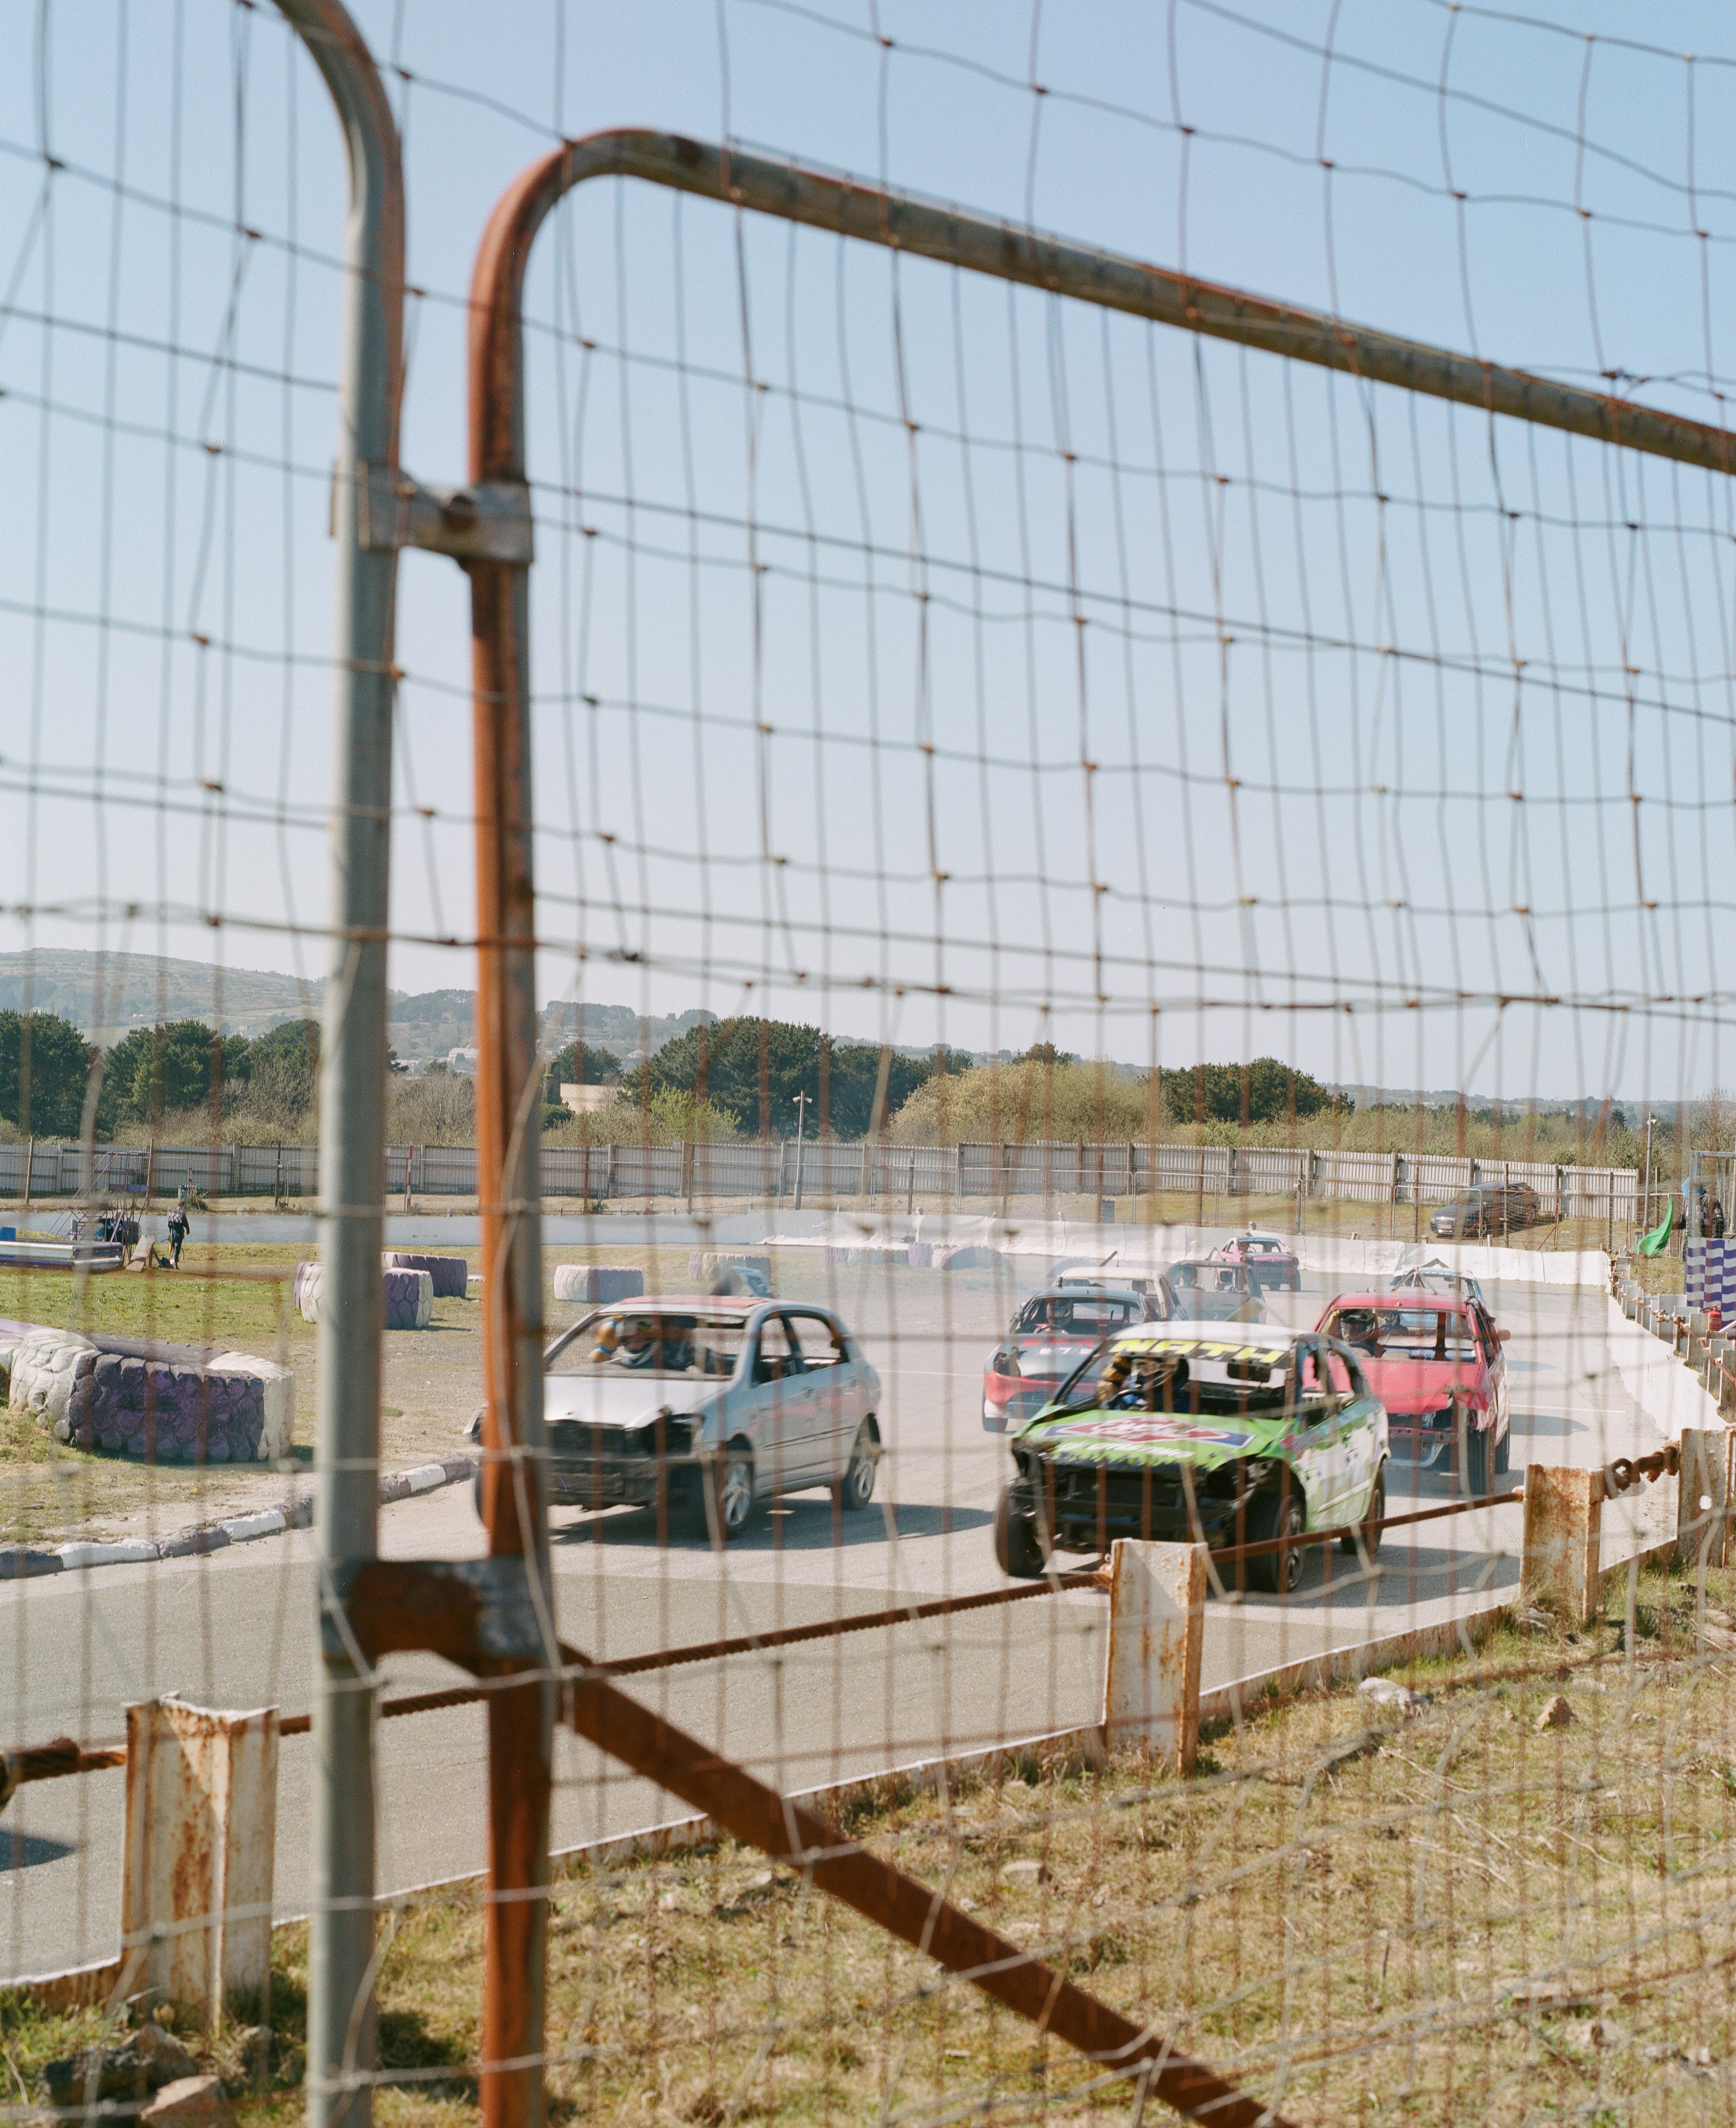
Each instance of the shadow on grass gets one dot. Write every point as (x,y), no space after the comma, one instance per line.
(434,2064)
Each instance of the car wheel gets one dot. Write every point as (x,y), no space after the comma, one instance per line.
(1276,1514)
(856,1488)
(1369,1527)
(1018,1548)
(1502,1450)
(1474,1459)
(476,1491)
(722,1496)
(1296,1281)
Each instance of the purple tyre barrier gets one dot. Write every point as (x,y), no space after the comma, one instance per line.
(597,1282)
(451,1274)
(163,1403)
(409,1297)
(409,1300)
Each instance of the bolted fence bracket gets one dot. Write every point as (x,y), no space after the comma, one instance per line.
(478,1613)
(488,521)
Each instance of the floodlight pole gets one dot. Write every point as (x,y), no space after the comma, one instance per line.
(340,2008)
(800,1106)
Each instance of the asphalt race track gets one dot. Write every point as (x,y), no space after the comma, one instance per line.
(236,1630)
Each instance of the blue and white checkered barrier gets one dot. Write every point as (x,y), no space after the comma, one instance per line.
(1708,1276)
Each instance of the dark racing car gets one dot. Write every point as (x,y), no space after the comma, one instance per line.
(1200,1433)
(1051,1333)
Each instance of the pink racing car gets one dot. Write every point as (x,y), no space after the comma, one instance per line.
(1269,1261)
(1436,1362)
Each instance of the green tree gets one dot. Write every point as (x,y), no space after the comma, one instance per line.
(294,1043)
(179,1065)
(119,1073)
(45,1067)
(1274,1091)
(754,1068)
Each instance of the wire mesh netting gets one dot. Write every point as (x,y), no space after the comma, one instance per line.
(1127,1141)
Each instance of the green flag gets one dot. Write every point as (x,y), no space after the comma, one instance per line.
(1653,1244)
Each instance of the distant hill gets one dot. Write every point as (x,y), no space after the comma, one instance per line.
(106,995)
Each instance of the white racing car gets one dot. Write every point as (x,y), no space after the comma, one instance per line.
(701,1407)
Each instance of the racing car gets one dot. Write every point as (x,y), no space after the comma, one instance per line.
(1271,1262)
(1434,1277)
(1200,1432)
(1436,1362)
(1208,1290)
(702,1405)
(1051,1333)
(1077,1271)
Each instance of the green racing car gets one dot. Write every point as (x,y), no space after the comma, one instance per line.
(1216,1433)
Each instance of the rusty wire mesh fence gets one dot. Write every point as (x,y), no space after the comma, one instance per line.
(1009,1022)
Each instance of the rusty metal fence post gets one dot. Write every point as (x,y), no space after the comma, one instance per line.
(509,1112)
(507,1084)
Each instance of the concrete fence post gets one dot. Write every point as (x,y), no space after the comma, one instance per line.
(1563,1534)
(1702,1522)
(202,1825)
(1157,1614)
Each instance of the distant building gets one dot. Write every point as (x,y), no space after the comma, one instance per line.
(464,1063)
(582,1100)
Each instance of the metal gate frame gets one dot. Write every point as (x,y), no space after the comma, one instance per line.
(495,1619)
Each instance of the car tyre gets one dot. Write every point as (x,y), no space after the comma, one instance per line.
(1278,1513)
(855,1490)
(1368,1529)
(1474,1459)
(723,1497)
(1503,1449)
(1018,1548)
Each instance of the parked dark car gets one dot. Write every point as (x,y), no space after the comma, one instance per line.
(1052,1333)
(1490,1208)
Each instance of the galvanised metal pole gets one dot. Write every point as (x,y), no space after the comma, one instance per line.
(340,2008)
(509,1125)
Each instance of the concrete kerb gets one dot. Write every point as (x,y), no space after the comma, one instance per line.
(24,1563)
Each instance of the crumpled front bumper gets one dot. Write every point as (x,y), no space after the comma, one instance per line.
(607,1481)
(1426,1439)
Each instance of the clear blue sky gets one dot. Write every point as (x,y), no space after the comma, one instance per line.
(1311,642)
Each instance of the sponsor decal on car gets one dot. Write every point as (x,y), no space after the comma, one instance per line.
(1206,1348)
(1135,1428)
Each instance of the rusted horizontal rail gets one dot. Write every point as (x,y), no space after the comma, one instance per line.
(51,1761)
(1353,1529)
(957,238)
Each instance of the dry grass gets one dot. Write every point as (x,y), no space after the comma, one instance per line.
(1364,1915)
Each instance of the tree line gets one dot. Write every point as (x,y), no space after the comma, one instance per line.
(48,1071)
